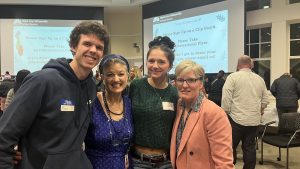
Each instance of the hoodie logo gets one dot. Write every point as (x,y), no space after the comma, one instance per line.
(66,105)
(89,102)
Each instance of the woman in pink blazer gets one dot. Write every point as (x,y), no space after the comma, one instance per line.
(201,137)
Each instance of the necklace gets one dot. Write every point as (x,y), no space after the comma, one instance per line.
(116,137)
(107,108)
(156,92)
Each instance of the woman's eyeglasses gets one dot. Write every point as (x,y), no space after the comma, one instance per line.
(189,81)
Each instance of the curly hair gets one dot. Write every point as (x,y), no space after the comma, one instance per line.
(86,28)
(165,44)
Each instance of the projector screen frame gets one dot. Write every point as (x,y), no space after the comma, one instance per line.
(235,46)
(45,12)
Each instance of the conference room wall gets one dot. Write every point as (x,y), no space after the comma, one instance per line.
(279,17)
(125,27)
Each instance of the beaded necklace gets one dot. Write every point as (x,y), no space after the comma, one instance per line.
(107,108)
(117,141)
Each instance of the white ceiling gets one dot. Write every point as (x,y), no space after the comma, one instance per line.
(94,3)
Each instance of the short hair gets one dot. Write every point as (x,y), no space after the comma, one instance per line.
(165,44)
(110,60)
(222,73)
(189,65)
(89,28)
(244,60)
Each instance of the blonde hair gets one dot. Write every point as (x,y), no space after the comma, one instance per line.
(137,72)
(188,65)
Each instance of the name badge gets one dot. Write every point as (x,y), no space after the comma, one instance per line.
(168,106)
(66,105)
(67,108)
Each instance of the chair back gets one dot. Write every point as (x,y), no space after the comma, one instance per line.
(289,122)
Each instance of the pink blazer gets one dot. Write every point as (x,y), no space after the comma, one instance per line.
(206,141)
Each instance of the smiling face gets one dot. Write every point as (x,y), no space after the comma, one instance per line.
(158,64)
(87,54)
(115,78)
(189,86)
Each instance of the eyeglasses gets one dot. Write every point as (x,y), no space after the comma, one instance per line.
(190,81)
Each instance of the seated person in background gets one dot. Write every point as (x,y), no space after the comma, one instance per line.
(215,93)
(7,75)
(111,130)
(201,136)
(5,86)
(286,90)
(19,79)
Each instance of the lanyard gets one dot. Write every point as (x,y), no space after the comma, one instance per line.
(183,123)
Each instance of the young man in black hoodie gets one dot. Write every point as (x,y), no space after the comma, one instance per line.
(50,113)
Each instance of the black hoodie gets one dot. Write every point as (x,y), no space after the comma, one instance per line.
(48,118)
